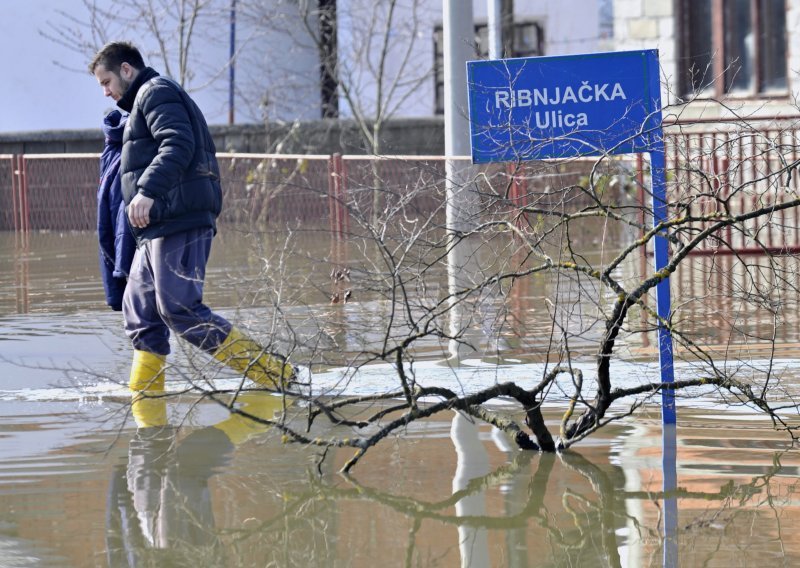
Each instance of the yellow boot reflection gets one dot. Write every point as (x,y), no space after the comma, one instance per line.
(161,508)
(262,405)
(149,411)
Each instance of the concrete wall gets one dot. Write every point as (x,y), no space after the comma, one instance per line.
(418,136)
(649,24)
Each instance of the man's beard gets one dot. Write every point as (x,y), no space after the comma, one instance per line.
(125,85)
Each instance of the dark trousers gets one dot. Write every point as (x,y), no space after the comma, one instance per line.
(165,292)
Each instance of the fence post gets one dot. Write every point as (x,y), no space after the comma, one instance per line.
(20,194)
(14,185)
(339,221)
(511,168)
(26,210)
(521,194)
(642,220)
(640,193)
(333,192)
(344,215)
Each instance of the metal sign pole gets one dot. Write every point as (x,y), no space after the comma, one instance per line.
(663,304)
(663,307)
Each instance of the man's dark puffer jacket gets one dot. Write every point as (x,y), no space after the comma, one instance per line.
(169,156)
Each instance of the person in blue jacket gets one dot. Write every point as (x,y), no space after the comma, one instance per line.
(116,241)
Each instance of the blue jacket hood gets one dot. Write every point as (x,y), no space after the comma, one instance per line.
(113,127)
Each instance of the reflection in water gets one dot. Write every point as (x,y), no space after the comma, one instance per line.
(669,451)
(537,499)
(739,299)
(160,507)
(568,511)
(232,495)
(208,495)
(473,462)
(714,296)
(21,276)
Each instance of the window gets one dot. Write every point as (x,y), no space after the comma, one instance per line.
(733,46)
(526,41)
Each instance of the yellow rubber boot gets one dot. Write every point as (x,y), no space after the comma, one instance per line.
(239,428)
(147,371)
(148,407)
(244,355)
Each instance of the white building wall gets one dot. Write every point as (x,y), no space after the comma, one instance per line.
(407,80)
(649,24)
(46,85)
(563,34)
(793,29)
(277,67)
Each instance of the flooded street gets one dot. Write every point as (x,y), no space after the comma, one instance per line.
(81,486)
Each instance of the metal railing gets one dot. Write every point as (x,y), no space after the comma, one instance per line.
(58,191)
(731,169)
(712,167)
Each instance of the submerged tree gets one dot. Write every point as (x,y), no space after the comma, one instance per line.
(578,230)
(566,241)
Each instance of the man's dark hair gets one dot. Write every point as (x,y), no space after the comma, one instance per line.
(114,54)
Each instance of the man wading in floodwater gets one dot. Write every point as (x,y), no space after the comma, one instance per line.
(171,187)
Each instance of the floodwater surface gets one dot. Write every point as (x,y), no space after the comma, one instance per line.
(82,486)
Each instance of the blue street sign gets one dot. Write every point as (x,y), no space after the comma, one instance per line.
(580,105)
(558,107)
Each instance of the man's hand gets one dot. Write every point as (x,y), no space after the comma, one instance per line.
(139,211)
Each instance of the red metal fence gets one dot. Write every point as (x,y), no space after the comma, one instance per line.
(733,169)
(8,193)
(58,191)
(712,168)
(263,189)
